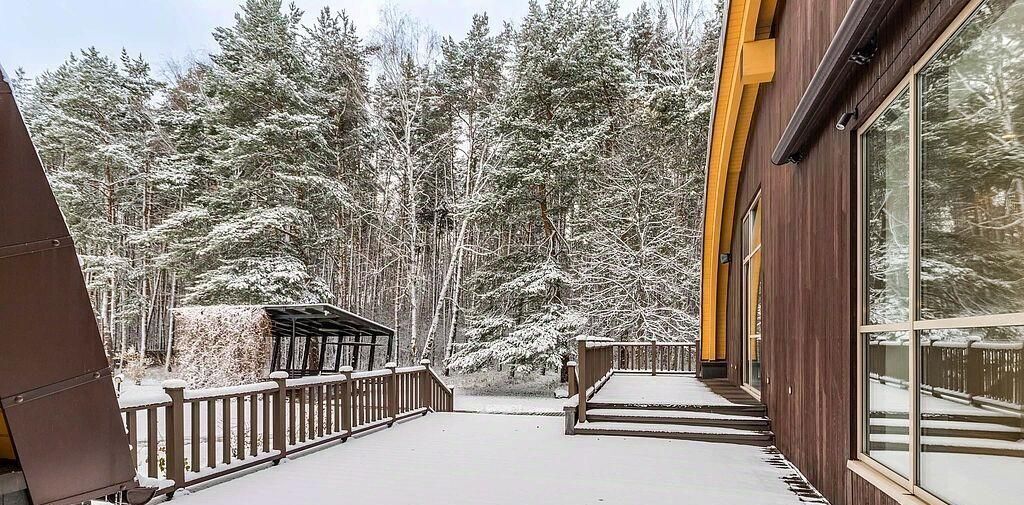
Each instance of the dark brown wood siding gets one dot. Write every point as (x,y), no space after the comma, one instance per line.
(860,491)
(809,238)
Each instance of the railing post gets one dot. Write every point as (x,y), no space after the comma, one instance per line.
(391,395)
(175,419)
(581,359)
(654,357)
(425,384)
(280,413)
(570,373)
(346,400)
(975,372)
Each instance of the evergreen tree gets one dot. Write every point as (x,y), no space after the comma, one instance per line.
(567,79)
(269,217)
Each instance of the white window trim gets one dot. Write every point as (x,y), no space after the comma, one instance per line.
(909,82)
(754,203)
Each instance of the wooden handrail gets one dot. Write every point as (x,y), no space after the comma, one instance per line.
(598,359)
(192,436)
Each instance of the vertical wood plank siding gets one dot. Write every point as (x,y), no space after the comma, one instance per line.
(809,239)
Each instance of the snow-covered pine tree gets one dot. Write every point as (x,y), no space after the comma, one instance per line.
(639,225)
(92,121)
(269,215)
(340,93)
(468,82)
(568,77)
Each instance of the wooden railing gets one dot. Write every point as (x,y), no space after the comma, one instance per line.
(981,372)
(598,359)
(192,436)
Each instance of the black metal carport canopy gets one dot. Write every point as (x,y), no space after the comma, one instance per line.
(322,319)
(301,331)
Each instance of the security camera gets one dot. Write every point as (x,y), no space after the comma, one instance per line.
(845,119)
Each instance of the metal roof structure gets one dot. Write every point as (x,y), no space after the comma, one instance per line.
(318,338)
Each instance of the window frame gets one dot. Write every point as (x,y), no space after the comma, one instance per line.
(748,254)
(909,83)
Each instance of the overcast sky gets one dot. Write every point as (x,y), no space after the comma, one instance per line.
(39,34)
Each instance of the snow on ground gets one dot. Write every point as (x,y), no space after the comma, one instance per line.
(456,459)
(658,390)
(495,382)
(539,405)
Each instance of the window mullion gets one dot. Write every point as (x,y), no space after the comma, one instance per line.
(915,343)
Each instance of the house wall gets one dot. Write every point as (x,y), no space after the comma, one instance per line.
(809,239)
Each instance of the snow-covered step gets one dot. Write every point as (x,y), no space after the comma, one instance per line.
(940,428)
(962,445)
(681,417)
(676,431)
(725,408)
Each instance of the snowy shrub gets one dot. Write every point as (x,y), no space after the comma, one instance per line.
(222,345)
(133,364)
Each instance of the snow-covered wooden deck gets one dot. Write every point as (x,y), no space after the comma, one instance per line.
(455,458)
(666,390)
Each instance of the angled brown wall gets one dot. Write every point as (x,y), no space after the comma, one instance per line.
(809,238)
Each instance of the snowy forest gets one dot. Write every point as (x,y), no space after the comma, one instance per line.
(490,196)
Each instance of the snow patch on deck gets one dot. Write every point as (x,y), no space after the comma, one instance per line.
(656,390)
(463,459)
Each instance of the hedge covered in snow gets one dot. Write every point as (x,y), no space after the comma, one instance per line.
(222,345)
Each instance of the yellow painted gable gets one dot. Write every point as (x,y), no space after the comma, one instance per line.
(747,61)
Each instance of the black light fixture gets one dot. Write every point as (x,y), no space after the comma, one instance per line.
(724,258)
(865,53)
(845,119)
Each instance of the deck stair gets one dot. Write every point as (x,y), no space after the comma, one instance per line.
(692,410)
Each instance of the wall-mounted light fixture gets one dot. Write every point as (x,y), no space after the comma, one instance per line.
(845,119)
(865,53)
(724,258)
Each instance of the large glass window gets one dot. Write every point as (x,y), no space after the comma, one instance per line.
(753,287)
(886,160)
(971,98)
(942,268)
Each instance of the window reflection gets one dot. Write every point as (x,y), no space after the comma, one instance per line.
(972,168)
(887,398)
(886,162)
(972,390)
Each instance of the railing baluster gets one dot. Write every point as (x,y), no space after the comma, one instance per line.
(266,422)
(226,430)
(329,408)
(302,414)
(152,441)
(254,422)
(290,406)
(240,427)
(211,433)
(131,420)
(195,435)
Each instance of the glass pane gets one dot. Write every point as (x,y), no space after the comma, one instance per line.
(972,168)
(887,399)
(753,285)
(886,162)
(755,280)
(972,392)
